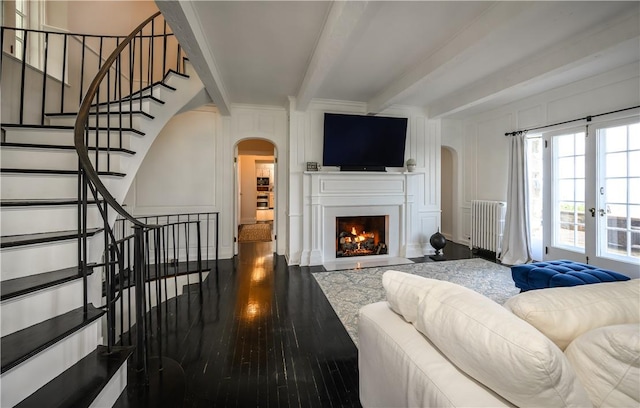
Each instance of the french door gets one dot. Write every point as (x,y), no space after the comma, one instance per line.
(592,182)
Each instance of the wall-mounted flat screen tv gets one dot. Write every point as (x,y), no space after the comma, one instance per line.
(366,143)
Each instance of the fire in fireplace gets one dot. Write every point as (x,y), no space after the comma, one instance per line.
(361,236)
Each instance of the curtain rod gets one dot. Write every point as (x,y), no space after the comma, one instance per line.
(587,118)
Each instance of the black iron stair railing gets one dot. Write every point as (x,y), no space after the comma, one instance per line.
(128,260)
(210,233)
(144,272)
(50,72)
(175,237)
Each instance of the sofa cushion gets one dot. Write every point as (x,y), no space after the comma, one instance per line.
(563,314)
(404,292)
(496,348)
(400,367)
(607,362)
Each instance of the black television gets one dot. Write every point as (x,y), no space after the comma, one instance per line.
(363,143)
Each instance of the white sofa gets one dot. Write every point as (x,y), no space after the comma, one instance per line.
(437,344)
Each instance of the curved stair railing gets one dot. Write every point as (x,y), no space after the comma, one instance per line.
(131,261)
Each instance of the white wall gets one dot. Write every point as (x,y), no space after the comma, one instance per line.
(190,168)
(305,145)
(478,144)
(247,189)
(267,123)
(452,140)
(447,181)
(107,17)
(178,174)
(483,149)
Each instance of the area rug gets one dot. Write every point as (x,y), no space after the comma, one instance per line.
(260,232)
(349,290)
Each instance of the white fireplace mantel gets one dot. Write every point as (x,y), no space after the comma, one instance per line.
(328,195)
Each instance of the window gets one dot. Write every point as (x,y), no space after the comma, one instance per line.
(21,22)
(568,191)
(619,191)
(29,15)
(592,179)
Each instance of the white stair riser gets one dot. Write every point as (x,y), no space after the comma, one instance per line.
(105,119)
(27,260)
(146,105)
(159,92)
(34,186)
(24,379)
(64,137)
(24,311)
(25,158)
(111,392)
(31,220)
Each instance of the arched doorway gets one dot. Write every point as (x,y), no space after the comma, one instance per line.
(448,181)
(255,191)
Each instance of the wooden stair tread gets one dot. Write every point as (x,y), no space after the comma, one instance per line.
(41,202)
(63,147)
(81,383)
(146,88)
(125,99)
(172,71)
(158,83)
(9,241)
(183,268)
(20,286)
(20,346)
(58,172)
(69,127)
(124,113)
(167,271)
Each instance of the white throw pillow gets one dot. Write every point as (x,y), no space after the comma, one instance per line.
(496,348)
(404,292)
(563,314)
(607,362)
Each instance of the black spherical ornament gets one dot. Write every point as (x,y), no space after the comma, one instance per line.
(438,241)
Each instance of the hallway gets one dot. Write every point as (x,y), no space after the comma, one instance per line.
(264,336)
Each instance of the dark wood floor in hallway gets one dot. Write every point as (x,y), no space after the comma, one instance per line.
(264,335)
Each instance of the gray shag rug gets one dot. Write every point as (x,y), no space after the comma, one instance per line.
(349,290)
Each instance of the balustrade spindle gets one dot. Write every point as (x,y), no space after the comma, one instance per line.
(44,78)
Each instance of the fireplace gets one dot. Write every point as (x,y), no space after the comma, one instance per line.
(361,235)
(330,195)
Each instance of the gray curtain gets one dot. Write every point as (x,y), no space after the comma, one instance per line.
(515,241)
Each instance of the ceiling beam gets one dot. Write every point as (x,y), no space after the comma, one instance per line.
(499,14)
(573,52)
(187,27)
(342,22)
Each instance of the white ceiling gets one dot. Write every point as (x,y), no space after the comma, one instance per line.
(450,58)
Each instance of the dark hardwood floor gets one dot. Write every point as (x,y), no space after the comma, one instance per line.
(262,335)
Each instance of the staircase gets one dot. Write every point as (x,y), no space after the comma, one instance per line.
(52,310)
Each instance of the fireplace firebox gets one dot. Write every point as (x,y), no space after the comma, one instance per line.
(361,236)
